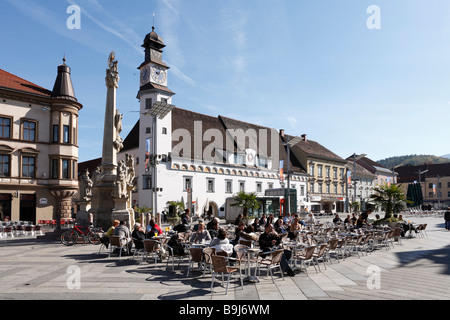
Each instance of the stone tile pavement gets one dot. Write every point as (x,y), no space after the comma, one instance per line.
(32,269)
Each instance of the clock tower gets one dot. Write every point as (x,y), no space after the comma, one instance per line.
(155,122)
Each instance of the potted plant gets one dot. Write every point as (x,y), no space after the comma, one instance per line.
(391,199)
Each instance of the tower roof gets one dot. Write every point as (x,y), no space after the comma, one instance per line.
(153,39)
(63,87)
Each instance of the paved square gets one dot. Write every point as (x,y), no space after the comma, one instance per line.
(32,269)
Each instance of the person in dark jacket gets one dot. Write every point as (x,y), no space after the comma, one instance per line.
(268,241)
(447,218)
(138,236)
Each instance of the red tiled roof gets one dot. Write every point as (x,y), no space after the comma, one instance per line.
(10,81)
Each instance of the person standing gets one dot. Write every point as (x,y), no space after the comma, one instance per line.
(447,218)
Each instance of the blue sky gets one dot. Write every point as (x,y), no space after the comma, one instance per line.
(309,67)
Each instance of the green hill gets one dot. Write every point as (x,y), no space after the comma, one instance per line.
(412,160)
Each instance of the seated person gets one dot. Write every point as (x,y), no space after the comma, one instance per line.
(221,243)
(138,236)
(214,228)
(153,228)
(269,241)
(201,235)
(337,219)
(109,233)
(124,233)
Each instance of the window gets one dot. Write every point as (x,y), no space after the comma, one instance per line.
(259,187)
(164,100)
(66,136)
(270,185)
(187,183)
(242,186)
(320,188)
(328,188)
(148,103)
(341,173)
(228,186)
(210,185)
(302,190)
(430,185)
(327,172)
(54,169)
(311,187)
(65,168)
(319,171)
(4,165)
(55,133)
(28,167)
(148,130)
(334,172)
(164,130)
(335,188)
(5,127)
(311,169)
(147,182)
(29,130)
(74,169)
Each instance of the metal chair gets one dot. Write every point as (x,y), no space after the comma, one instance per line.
(220,265)
(195,256)
(151,247)
(273,260)
(115,242)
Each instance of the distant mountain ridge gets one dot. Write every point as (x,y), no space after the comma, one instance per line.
(413,160)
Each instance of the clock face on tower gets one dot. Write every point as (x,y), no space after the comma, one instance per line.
(145,75)
(158,74)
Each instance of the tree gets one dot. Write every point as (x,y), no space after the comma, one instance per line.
(391,198)
(246,201)
(175,207)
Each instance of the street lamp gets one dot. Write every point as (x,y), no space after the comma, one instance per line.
(355,157)
(288,145)
(393,172)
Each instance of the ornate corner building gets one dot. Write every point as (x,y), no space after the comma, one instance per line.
(38,147)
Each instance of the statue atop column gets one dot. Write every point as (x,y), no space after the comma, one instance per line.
(112,73)
(111,191)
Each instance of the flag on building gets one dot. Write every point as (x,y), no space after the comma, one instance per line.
(281,170)
(147,153)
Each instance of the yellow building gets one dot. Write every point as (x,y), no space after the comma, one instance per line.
(326,175)
(38,147)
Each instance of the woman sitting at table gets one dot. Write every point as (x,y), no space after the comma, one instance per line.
(201,235)
(153,228)
(294,229)
(221,243)
(280,227)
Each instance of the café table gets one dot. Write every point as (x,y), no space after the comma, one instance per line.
(249,253)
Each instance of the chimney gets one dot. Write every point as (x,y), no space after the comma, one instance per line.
(304,137)
(282,132)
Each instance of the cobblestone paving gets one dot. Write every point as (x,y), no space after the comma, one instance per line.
(32,269)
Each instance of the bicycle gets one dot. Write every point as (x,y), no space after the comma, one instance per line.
(70,237)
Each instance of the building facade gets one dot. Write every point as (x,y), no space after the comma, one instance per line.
(203,160)
(38,147)
(360,185)
(434,180)
(326,176)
